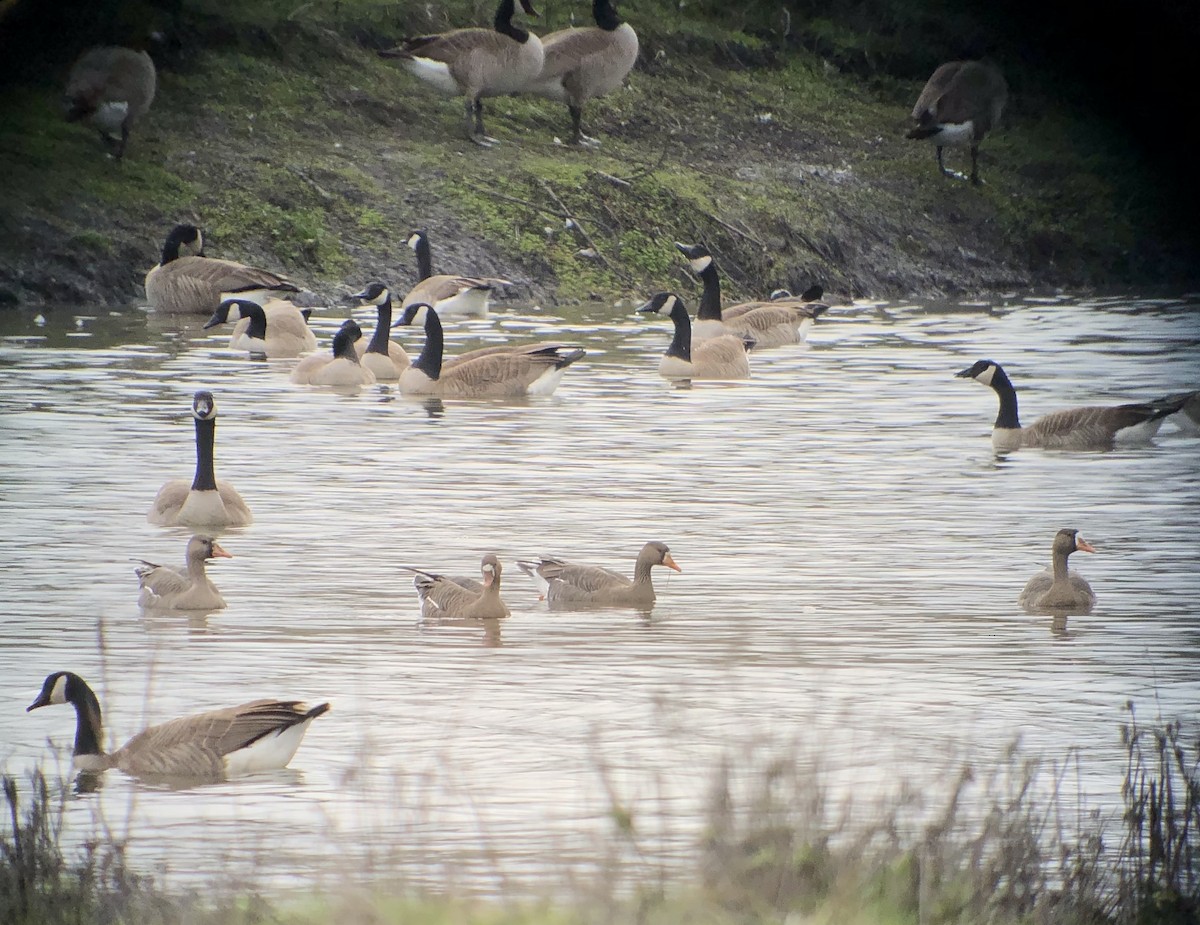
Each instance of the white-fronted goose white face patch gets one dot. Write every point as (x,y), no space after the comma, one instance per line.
(59,692)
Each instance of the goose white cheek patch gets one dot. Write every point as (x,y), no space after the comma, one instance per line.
(986,376)
(700,264)
(59,694)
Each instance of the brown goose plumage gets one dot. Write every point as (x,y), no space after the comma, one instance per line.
(164,587)
(959,105)
(566,584)
(1058,588)
(112,88)
(722,357)
(443,597)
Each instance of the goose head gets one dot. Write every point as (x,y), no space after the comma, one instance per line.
(981,371)
(59,687)
(415,314)
(205,547)
(661,554)
(1069,541)
(416,237)
(665,303)
(183,241)
(232,310)
(490,568)
(697,255)
(204,406)
(374,294)
(343,340)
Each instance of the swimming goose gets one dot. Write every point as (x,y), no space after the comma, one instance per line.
(187,282)
(261,735)
(339,367)
(111,87)
(476,63)
(583,64)
(490,373)
(960,104)
(169,588)
(564,584)
(1058,588)
(205,502)
(461,597)
(1090,428)
(783,319)
(282,333)
(722,357)
(382,356)
(450,295)
(1187,418)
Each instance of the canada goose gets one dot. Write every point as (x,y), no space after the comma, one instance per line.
(382,356)
(1058,588)
(187,282)
(450,295)
(111,88)
(205,501)
(461,597)
(721,357)
(340,367)
(783,319)
(476,63)
(566,584)
(169,588)
(960,104)
(489,374)
(261,735)
(1090,428)
(583,64)
(285,334)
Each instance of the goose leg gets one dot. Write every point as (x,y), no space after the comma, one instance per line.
(478,135)
(120,153)
(577,125)
(946,171)
(975,165)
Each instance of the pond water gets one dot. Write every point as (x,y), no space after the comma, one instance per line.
(852,551)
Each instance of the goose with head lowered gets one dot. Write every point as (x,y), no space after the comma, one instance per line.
(112,88)
(450,295)
(722,357)
(959,105)
(476,63)
(339,367)
(443,597)
(164,587)
(282,332)
(381,355)
(1058,588)
(565,584)
(1098,427)
(261,735)
(205,502)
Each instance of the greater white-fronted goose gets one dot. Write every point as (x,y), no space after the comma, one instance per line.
(960,104)
(187,282)
(722,357)
(583,64)
(1089,428)
(491,373)
(111,87)
(165,587)
(565,584)
(339,367)
(783,319)
(476,63)
(450,295)
(1058,588)
(382,356)
(283,332)
(261,735)
(461,598)
(205,502)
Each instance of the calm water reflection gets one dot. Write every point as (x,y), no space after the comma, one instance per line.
(852,552)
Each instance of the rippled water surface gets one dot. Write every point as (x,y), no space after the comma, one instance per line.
(852,551)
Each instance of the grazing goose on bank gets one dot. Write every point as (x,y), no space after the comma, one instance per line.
(583,64)
(722,357)
(204,502)
(784,319)
(168,588)
(565,584)
(490,373)
(1090,428)
(382,356)
(339,367)
(187,282)
(282,333)
(261,735)
(111,87)
(1058,588)
(450,295)
(461,598)
(960,104)
(476,63)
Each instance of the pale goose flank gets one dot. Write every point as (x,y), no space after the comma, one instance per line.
(722,357)
(450,295)
(960,104)
(187,282)
(340,367)
(783,319)
(491,373)
(382,356)
(461,598)
(282,332)
(205,502)
(262,735)
(112,88)
(583,64)
(1058,589)
(565,585)
(165,587)
(1089,428)
(476,63)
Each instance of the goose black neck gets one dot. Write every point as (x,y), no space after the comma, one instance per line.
(257,328)
(604,14)
(681,343)
(343,347)
(170,251)
(503,22)
(430,360)
(710,300)
(88,724)
(383,324)
(206,435)
(424,260)
(1007,418)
